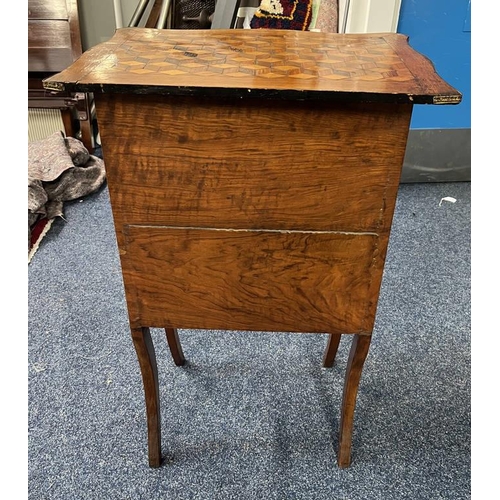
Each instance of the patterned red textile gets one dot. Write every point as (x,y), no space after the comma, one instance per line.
(283,14)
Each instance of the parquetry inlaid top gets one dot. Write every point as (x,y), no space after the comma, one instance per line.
(269,63)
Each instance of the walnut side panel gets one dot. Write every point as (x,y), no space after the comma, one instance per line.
(251,280)
(252,164)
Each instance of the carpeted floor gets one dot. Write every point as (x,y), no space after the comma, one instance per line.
(253,415)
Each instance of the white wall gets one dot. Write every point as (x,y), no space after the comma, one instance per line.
(97,21)
(373,16)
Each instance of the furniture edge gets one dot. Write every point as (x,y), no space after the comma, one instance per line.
(428,76)
(426,79)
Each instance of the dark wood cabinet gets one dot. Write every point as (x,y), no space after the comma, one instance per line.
(54,43)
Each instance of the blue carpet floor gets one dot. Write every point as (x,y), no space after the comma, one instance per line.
(253,415)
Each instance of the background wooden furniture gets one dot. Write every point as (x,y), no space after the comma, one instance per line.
(253,176)
(54,42)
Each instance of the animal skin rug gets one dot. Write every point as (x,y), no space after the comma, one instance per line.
(59,169)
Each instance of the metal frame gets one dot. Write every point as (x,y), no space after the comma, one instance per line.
(225,14)
(163,18)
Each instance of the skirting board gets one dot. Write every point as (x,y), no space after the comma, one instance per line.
(437,155)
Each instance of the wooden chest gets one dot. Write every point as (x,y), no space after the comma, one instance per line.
(253,176)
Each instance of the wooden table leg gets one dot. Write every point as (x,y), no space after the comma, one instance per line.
(331,350)
(357,356)
(175,346)
(147,360)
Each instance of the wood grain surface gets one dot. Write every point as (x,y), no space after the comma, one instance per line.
(252,164)
(146,356)
(253,177)
(265,62)
(357,357)
(251,280)
(41,9)
(49,45)
(54,40)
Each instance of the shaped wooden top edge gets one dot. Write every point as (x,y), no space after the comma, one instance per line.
(424,71)
(287,64)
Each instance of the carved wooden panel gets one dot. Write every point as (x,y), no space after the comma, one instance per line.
(49,45)
(43,9)
(54,40)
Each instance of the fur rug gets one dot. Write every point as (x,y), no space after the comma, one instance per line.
(59,169)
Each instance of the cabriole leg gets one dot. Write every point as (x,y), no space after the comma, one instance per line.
(357,356)
(331,350)
(147,361)
(175,346)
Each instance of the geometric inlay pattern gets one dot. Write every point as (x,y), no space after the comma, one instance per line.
(264,56)
(290,64)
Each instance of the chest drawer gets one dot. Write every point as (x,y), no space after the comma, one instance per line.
(233,164)
(252,280)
